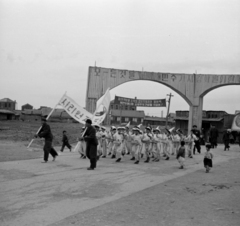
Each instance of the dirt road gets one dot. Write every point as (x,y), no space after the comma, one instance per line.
(64,193)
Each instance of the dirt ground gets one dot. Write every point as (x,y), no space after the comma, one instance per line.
(196,199)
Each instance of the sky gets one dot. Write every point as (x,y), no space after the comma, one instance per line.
(46,47)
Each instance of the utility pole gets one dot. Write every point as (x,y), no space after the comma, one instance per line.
(169,101)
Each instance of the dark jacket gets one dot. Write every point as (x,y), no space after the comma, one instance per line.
(91,142)
(45,132)
(213,134)
(226,137)
(65,139)
(181,152)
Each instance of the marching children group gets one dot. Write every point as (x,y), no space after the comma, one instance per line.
(149,145)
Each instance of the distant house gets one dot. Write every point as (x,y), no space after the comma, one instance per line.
(7,104)
(125,116)
(6,115)
(31,115)
(120,114)
(158,121)
(27,106)
(220,119)
(45,110)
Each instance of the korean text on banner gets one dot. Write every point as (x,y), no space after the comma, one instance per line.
(74,110)
(102,108)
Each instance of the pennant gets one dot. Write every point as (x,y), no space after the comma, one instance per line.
(74,110)
(139,126)
(102,108)
(236,123)
(128,125)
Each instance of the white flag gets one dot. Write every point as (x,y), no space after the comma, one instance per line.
(74,110)
(102,108)
(236,123)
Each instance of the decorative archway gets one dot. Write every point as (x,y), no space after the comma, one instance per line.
(192,87)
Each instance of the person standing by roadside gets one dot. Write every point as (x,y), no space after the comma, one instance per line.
(238,137)
(45,132)
(213,136)
(91,144)
(65,142)
(226,139)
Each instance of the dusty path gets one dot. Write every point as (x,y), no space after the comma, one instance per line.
(65,193)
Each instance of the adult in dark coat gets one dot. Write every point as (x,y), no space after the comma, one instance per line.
(213,136)
(45,132)
(226,139)
(197,146)
(91,144)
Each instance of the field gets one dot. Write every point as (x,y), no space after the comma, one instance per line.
(18,133)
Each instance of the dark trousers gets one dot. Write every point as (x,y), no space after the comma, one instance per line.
(49,149)
(197,146)
(226,143)
(93,163)
(65,144)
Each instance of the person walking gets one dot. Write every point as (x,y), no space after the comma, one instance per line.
(181,154)
(82,146)
(91,144)
(226,139)
(207,161)
(197,146)
(65,142)
(45,132)
(213,136)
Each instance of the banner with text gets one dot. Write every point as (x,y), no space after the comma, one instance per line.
(140,102)
(74,110)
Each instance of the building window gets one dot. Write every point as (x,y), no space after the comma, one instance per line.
(118,119)
(116,106)
(126,119)
(134,119)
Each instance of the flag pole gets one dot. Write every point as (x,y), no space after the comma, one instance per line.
(83,133)
(46,119)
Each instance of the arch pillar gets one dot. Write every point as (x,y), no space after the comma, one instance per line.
(195,113)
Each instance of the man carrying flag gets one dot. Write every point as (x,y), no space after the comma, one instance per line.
(91,144)
(45,132)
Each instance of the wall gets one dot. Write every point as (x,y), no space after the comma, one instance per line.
(8,105)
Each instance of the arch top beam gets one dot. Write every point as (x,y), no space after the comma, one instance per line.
(99,79)
(189,86)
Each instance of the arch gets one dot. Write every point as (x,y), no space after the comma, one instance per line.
(216,87)
(191,87)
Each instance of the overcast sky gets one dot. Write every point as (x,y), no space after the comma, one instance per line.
(46,47)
